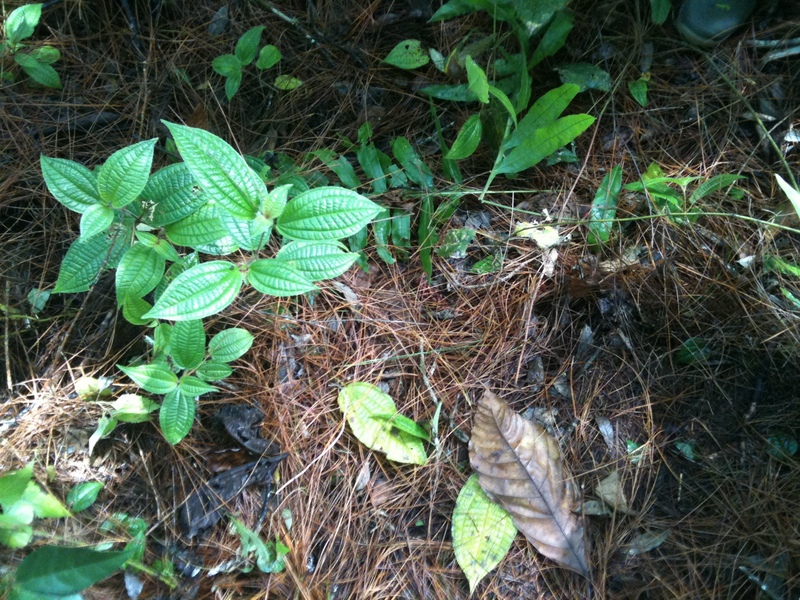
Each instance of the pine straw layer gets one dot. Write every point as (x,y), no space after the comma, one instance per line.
(365,528)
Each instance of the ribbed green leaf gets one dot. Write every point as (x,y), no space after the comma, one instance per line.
(199,292)
(72,184)
(317,260)
(21,22)
(41,73)
(362,405)
(188,343)
(56,571)
(133,309)
(469,136)
(84,260)
(124,175)
(96,219)
(544,112)
(230,344)
(213,371)
(714,184)
(174,195)
(278,278)
(482,532)
(251,235)
(197,229)
(247,46)
(193,386)
(156,378)
(219,170)
(326,213)
(275,202)
(176,416)
(544,142)
(139,272)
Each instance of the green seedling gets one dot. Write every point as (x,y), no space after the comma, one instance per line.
(35,62)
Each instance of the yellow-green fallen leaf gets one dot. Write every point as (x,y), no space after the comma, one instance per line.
(545,236)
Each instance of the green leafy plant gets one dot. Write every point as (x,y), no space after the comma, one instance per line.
(231,66)
(35,62)
(269,556)
(215,204)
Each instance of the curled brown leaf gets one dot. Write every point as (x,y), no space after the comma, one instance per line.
(519,467)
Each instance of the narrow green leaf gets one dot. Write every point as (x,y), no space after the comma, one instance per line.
(362,404)
(84,260)
(469,136)
(454,92)
(176,416)
(61,571)
(188,343)
(139,272)
(199,292)
(172,194)
(21,22)
(155,378)
(105,426)
(72,184)
(247,46)
(219,170)
(426,235)
(194,386)
(478,83)
(604,207)
(317,260)
(278,278)
(268,57)
(456,8)
(416,170)
(544,142)
(714,184)
(407,55)
(482,532)
(403,423)
(95,220)
(791,193)
(124,175)
(83,495)
(381,229)
(554,38)
(326,213)
(13,484)
(213,371)
(229,344)
(369,160)
(501,97)
(41,73)
(133,408)
(544,112)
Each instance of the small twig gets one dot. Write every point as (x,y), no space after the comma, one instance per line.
(9,382)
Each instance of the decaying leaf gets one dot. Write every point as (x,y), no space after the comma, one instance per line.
(482,532)
(610,491)
(519,467)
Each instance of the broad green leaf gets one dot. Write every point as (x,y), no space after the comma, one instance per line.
(192,387)
(554,38)
(83,495)
(362,404)
(326,213)
(638,90)
(44,504)
(247,46)
(268,57)
(200,292)
(21,23)
(454,92)
(455,242)
(188,343)
(714,184)
(13,484)
(478,83)
(229,344)
(251,235)
(604,207)
(345,172)
(227,65)
(139,272)
(405,424)
(173,195)
(659,11)
(585,75)
(544,112)
(482,532)
(156,378)
(287,82)
(72,184)
(46,55)
(124,175)
(416,170)
(278,278)
(134,308)
(469,136)
(408,55)
(317,260)
(61,571)
(96,219)
(84,260)
(176,416)
(15,529)
(41,73)
(213,371)
(219,170)
(544,142)
(133,408)
(197,229)
(273,205)
(167,250)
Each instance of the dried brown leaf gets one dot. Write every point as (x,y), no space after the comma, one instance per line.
(519,467)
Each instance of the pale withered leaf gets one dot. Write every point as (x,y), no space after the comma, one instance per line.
(519,467)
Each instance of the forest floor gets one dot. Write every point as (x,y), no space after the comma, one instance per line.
(668,355)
